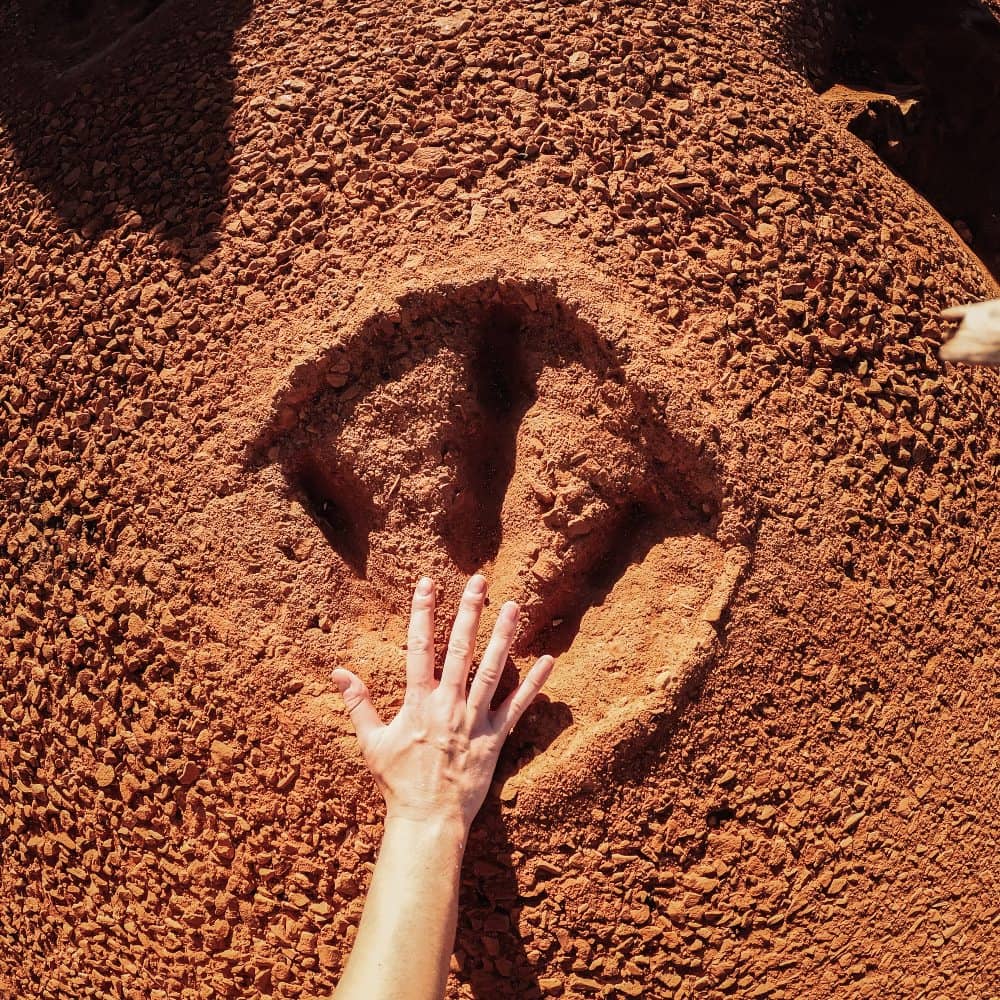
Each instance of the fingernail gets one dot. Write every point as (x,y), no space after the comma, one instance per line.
(425,586)
(511,609)
(477,585)
(341,681)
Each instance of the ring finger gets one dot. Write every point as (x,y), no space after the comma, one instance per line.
(484,684)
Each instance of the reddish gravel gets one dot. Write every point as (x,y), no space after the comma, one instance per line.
(300,302)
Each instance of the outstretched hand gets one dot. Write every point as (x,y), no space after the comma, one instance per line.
(435,760)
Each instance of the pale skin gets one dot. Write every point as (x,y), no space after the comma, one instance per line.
(433,765)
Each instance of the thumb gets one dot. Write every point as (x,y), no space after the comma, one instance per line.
(359,704)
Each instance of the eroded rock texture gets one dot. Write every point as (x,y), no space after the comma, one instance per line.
(299,300)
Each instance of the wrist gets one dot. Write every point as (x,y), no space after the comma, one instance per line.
(435,832)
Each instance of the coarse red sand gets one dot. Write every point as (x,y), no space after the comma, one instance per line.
(301,301)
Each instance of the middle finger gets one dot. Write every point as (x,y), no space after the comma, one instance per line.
(462,643)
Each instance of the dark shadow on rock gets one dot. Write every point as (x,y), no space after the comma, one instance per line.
(491,954)
(807,31)
(542,724)
(118,111)
(919,82)
(489,949)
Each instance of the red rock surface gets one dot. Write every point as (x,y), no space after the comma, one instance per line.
(301,300)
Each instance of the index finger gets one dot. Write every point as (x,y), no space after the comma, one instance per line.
(420,639)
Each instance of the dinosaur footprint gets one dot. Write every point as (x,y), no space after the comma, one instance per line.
(490,428)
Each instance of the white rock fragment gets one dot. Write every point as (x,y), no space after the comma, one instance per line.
(450,25)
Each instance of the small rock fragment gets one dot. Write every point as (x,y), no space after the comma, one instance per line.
(556,217)
(450,25)
(104,775)
(222,753)
(189,773)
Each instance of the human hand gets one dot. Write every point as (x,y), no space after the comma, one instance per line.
(435,760)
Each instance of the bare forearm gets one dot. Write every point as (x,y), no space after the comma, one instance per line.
(433,764)
(407,930)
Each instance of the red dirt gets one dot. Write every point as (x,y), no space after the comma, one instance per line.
(301,303)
